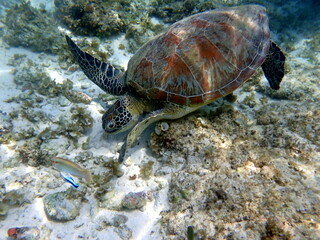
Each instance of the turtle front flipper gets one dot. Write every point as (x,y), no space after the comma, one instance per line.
(107,77)
(170,111)
(273,66)
(138,129)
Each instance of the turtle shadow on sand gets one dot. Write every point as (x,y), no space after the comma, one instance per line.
(198,60)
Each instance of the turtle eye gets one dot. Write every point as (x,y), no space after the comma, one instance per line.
(111,124)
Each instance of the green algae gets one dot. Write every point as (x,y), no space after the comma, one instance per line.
(31,76)
(37,89)
(81,116)
(250,100)
(274,229)
(6,127)
(172,11)
(86,145)
(6,138)
(77,97)
(31,154)
(4,208)
(37,85)
(146,170)
(98,18)
(90,18)
(104,19)
(31,28)
(138,34)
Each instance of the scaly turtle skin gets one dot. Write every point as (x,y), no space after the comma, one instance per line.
(196,61)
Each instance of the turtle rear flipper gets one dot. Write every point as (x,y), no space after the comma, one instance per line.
(107,77)
(273,66)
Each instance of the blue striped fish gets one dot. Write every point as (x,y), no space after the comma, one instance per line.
(69,180)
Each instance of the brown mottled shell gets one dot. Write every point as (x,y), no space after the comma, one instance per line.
(202,57)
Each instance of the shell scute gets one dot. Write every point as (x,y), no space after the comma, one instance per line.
(203,57)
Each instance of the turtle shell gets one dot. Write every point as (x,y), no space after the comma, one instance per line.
(202,57)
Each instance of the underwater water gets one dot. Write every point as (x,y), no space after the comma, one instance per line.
(244,167)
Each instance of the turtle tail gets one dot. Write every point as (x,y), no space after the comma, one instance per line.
(107,77)
(273,66)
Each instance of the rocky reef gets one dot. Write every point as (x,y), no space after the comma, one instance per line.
(238,172)
(97,18)
(109,18)
(30,27)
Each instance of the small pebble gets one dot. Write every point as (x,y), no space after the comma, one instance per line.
(136,200)
(119,219)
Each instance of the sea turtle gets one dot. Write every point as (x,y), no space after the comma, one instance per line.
(197,60)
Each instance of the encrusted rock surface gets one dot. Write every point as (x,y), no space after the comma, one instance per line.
(237,172)
(63,206)
(5,127)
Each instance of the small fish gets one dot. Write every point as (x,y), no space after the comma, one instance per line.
(74,169)
(12,232)
(22,232)
(69,180)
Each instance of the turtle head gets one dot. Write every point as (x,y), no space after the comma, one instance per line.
(122,115)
